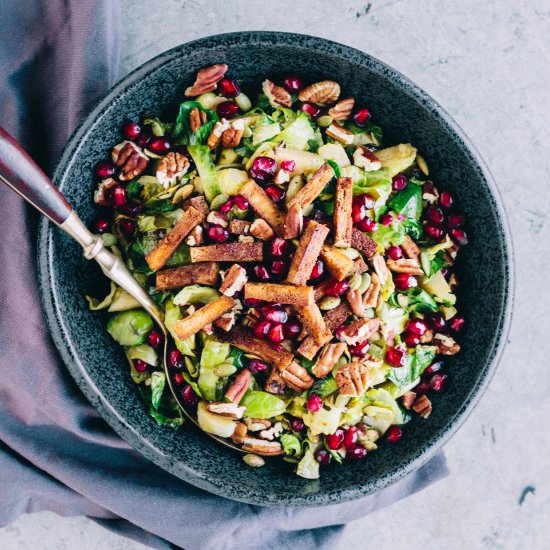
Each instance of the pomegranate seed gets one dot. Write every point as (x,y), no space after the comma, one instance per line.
(435,215)
(394,434)
(417,326)
(288,165)
(227,109)
(317,271)
(276,333)
(334,441)
(252,302)
(127,226)
(457,220)
(218,233)
(445,271)
(276,193)
(323,457)
(436,321)
(255,366)
(155,338)
(140,365)
(274,314)
(159,145)
(366,200)
(411,339)
(278,267)
(312,110)
(404,281)
(394,252)
(131,209)
(292,329)
(178,379)
(297,425)
(395,356)
(143,139)
(457,324)
(228,87)
(240,202)
(262,328)
(131,130)
(105,170)
(421,388)
(459,236)
(226,206)
(314,402)
(356,453)
(350,437)
(435,232)
(339,332)
(189,397)
(262,168)
(436,366)
(292,83)
(279,247)
(438,382)
(358,212)
(368,225)
(360,348)
(361,117)
(119,196)
(446,199)
(261,272)
(336,288)
(386,219)
(176,359)
(102,225)
(399,182)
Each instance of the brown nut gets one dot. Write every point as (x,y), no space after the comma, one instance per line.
(355,300)
(445,344)
(327,359)
(261,230)
(423,406)
(130,159)
(232,136)
(359,331)
(352,379)
(294,222)
(321,93)
(216,134)
(234,280)
(196,119)
(207,80)
(172,167)
(296,377)
(342,110)
(239,434)
(408,399)
(101,194)
(339,133)
(236,391)
(405,265)
(277,95)
(364,158)
(231,410)
(410,249)
(262,447)
(370,298)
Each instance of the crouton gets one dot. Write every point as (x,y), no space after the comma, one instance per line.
(177,277)
(338,264)
(309,347)
(239,227)
(275,383)
(262,204)
(359,266)
(229,252)
(343,223)
(234,280)
(327,359)
(198,202)
(312,320)
(280,293)
(313,188)
(363,243)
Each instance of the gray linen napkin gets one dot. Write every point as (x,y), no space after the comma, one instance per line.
(56,453)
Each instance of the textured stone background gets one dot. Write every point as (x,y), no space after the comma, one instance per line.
(488,64)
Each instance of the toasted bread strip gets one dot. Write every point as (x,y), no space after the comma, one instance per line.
(198,202)
(309,347)
(275,383)
(363,243)
(158,257)
(338,264)
(343,223)
(312,189)
(359,266)
(262,204)
(307,253)
(202,274)
(242,338)
(312,320)
(203,316)
(282,294)
(230,252)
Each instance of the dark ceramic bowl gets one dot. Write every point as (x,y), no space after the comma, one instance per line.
(406,114)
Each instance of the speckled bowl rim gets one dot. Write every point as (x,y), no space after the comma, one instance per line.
(94,394)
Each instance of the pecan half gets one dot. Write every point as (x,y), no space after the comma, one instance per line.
(364,158)
(339,133)
(296,377)
(207,80)
(327,359)
(196,119)
(342,110)
(355,300)
(294,221)
(275,383)
(102,195)
(408,399)
(232,136)
(445,344)
(234,280)
(405,265)
(236,391)
(380,267)
(239,227)
(261,230)
(257,424)
(423,406)
(216,134)
(370,298)
(239,434)
(272,433)
(217,218)
(130,159)
(195,238)
(281,176)
(231,410)
(325,92)
(277,95)
(427,337)
(262,447)
(410,249)
(171,167)
(359,331)
(352,379)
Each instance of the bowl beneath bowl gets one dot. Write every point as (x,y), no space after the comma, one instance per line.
(406,114)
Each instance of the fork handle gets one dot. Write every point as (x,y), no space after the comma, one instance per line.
(22,174)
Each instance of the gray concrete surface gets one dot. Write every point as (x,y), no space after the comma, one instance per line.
(488,63)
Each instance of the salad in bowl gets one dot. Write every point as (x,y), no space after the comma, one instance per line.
(304,266)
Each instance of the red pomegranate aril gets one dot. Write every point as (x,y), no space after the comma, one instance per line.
(226,206)
(274,314)
(261,272)
(396,356)
(131,130)
(411,339)
(394,434)
(102,225)
(143,139)
(276,193)
(336,288)
(312,110)
(323,457)
(365,200)
(297,425)
(292,329)
(399,182)
(276,334)
(339,332)
(155,339)
(288,165)
(262,328)
(358,212)
(278,267)
(252,302)
(335,441)
(178,379)
(457,324)
(434,232)
(127,226)
(386,219)
(436,366)
(368,225)
(227,109)
(360,348)
(240,202)
(350,437)
(262,168)
(361,117)
(189,397)
(218,233)
(456,220)
(105,170)
(404,281)
(279,247)
(314,402)
(438,382)
(175,359)
(131,209)
(255,366)
(395,252)
(446,199)
(119,196)
(422,388)
(417,326)
(140,365)
(459,236)
(228,87)
(292,83)
(317,271)
(159,145)
(436,321)
(435,215)
(356,453)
